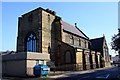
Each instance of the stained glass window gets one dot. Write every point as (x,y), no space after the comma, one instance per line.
(31,43)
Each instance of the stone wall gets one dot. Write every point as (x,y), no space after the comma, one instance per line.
(106,54)
(66,39)
(87,60)
(98,55)
(22,64)
(60,58)
(79,59)
(79,56)
(47,21)
(93,59)
(14,68)
(56,38)
(29,22)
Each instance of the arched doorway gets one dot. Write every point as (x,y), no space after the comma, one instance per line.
(68,57)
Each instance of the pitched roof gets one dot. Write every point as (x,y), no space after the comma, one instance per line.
(97,43)
(72,29)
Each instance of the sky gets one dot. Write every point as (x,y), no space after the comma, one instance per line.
(93,18)
(59,0)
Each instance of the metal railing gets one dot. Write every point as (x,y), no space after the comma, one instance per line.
(70,67)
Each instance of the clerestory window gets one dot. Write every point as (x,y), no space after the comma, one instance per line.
(71,40)
(79,41)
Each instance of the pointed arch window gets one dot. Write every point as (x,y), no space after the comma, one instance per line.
(31,43)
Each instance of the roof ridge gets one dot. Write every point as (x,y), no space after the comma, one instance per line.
(81,32)
(70,28)
(97,38)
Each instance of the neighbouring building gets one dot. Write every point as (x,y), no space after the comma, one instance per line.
(115,59)
(43,36)
(7,52)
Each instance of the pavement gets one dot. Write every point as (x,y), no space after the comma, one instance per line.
(76,72)
(63,75)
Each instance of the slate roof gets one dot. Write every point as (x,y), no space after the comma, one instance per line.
(72,29)
(97,44)
(7,52)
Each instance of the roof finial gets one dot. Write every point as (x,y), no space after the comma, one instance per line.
(103,35)
(75,24)
(119,30)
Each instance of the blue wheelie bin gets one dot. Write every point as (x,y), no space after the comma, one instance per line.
(41,70)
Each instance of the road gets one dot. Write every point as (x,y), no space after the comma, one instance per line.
(106,74)
(112,73)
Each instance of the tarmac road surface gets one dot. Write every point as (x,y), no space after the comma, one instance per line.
(106,74)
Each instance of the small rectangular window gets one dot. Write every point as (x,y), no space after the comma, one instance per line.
(37,62)
(71,40)
(48,18)
(85,44)
(79,42)
(41,61)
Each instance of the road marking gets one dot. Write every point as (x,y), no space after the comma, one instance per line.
(102,76)
(107,76)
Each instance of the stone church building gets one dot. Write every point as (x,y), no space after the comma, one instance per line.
(43,36)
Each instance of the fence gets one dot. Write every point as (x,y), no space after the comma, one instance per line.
(70,67)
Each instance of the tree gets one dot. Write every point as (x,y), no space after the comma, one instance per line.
(116,41)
